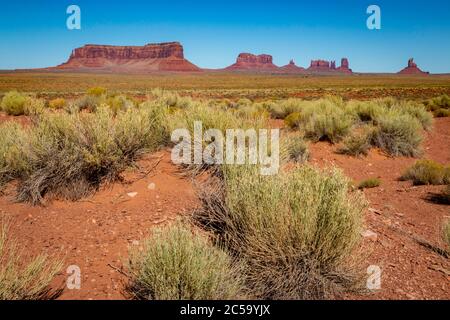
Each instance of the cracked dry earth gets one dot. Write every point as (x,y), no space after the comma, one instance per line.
(95,233)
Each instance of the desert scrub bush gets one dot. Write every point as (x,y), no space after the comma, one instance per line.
(13,103)
(70,155)
(366,111)
(427,172)
(324,121)
(293,231)
(358,143)
(87,102)
(12,162)
(281,109)
(369,183)
(96,91)
(416,110)
(292,121)
(440,106)
(35,107)
(177,264)
(296,149)
(58,103)
(398,134)
(21,277)
(119,103)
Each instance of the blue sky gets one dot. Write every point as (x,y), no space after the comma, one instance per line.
(34,34)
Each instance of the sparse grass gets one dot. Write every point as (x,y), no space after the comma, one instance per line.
(22,277)
(369,183)
(294,231)
(13,103)
(427,172)
(292,121)
(178,264)
(440,106)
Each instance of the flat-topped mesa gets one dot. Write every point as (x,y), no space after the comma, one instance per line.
(412,69)
(166,56)
(248,61)
(319,65)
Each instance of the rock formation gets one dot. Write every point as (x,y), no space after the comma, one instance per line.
(248,61)
(292,68)
(323,66)
(412,69)
(149,58)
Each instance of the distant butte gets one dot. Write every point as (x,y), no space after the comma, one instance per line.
(251,62)
(412,69)
(162,57)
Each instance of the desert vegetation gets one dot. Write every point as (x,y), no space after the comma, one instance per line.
(295,235)
(22,277)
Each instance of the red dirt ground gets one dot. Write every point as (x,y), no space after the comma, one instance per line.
(96,233)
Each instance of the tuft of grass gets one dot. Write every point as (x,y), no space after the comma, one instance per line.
(427,172)
(24,278)
(292,120)
(398,134)
(294,232)
(177,264)
(58,103)
(297,149)
(13,103)
(369,183)
(416,110)
(440,106)
(357,143)
(96,91)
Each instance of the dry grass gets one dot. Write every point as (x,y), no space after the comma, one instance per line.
(178,264)
(22,277)
(427,172)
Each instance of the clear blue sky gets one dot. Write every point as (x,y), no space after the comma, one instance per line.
(34,34)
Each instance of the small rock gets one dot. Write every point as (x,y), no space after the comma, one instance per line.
(375,211)
(132,194)
(151,186)
(368,234)
(135,242)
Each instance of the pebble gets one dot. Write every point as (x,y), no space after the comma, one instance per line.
(151,186)
(132,194)
(368,234)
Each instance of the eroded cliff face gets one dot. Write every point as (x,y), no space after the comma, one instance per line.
(412,69)
(149,58)
(324,66)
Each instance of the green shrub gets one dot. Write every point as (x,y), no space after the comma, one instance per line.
(35,107)
(12,156)
(358,143)
(292,120)
(177,264)
(119,103)
(427,172)
(369,183)
(398,134)
(21,277)
(13,103)
(88,102)
(297,149)
(58,103)
(293,231)
(442,113)
(417,111)
(96,91)
(325,122)
(366,111)
(440,106)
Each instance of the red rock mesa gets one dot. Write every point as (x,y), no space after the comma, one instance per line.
(412,69)
(323,66)
(292,68)
(248,61)
(149,58)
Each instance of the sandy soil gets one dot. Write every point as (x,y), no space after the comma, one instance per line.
(95,233)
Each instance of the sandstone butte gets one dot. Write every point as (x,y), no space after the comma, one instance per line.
(264,63)
(412,69)
(164,57)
